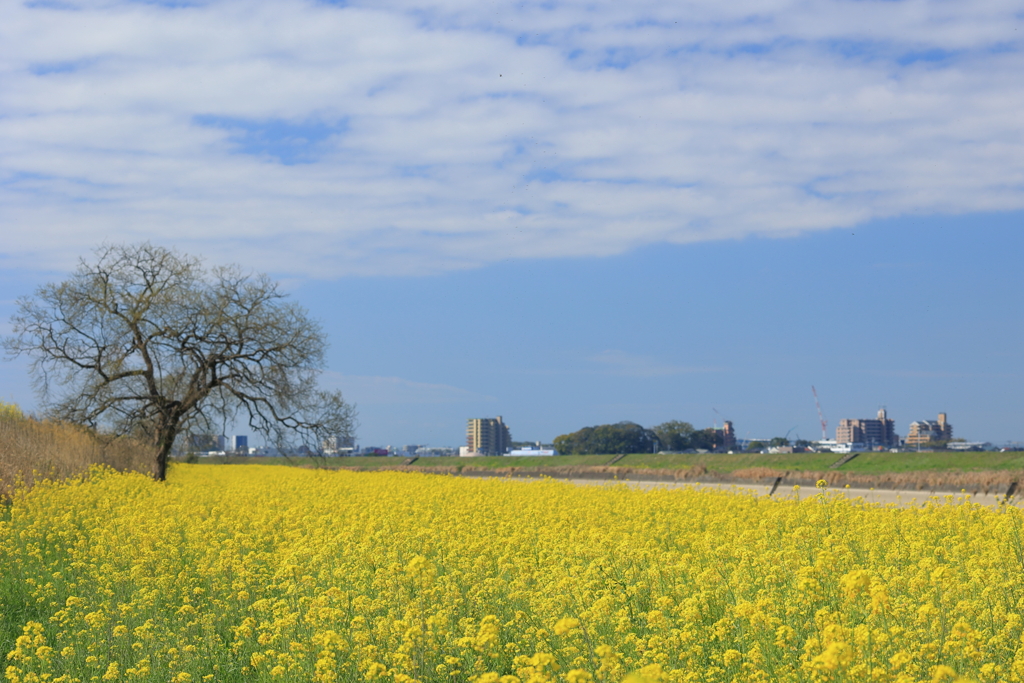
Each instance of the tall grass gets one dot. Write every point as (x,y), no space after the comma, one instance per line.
(31,450)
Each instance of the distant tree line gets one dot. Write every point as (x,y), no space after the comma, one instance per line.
(629,437)
(623,437)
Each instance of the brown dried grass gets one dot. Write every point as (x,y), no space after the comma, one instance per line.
(991,481)
(32,450)
(947,481)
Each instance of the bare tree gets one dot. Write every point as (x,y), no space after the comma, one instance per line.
(146,341)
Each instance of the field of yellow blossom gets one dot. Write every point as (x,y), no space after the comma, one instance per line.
(250,573)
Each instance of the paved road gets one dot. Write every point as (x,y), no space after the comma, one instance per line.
(880,496)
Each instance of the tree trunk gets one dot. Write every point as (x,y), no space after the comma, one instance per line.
(161,462)
(164,442)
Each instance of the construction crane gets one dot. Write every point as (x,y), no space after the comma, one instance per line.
(824,422)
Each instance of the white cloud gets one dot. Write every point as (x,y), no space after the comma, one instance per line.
(611,125)
(941,374)
(628,364)
(373,390)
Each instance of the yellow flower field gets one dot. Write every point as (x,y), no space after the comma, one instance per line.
(249,573)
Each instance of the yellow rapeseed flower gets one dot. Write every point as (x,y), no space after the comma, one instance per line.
(566,625)
(261,573)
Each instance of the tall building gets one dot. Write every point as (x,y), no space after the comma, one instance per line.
(880,431)
(339,445)
(923,431)
(725,438)
(239,442)
(487,436)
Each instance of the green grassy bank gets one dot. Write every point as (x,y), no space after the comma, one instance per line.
(866,463)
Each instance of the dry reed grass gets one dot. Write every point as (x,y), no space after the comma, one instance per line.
(992,481)
(32,450)
(946,481)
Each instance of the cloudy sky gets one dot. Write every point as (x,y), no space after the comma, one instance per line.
(563,212)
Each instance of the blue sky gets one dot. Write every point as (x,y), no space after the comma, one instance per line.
(918,316)
(566,213)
